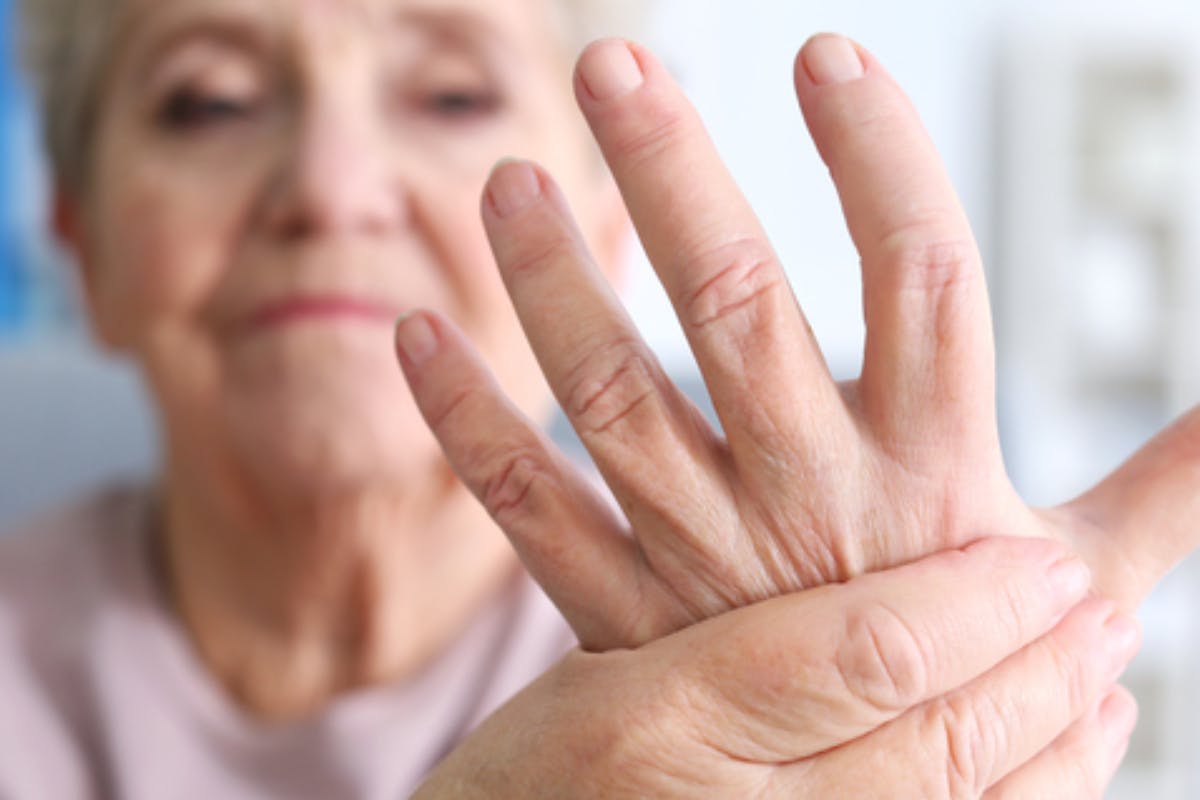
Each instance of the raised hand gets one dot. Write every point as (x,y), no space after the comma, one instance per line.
(811,482)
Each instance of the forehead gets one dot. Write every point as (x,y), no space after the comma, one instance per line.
(519,22)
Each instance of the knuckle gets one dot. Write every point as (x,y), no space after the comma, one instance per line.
(734,277)
(653,131)
(925,259)
(609,384)
(854,122)
(509,493)
(971,732)
(455,408)
(882,662)
(530,257)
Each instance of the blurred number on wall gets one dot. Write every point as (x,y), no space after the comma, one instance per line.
(1098,306)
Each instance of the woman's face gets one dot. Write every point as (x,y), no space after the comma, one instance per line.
(276,181)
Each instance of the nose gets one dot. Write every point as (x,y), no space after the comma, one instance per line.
(335,177)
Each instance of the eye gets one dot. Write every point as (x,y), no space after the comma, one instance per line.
(189,109)
(461,104)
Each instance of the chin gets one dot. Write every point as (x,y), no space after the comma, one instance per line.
(336,430)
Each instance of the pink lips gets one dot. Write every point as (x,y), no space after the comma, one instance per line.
(321,307)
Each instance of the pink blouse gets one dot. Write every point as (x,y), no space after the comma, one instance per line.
(102,696)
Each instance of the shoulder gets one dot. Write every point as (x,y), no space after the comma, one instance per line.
(64,573)
(59,574)
(68,553)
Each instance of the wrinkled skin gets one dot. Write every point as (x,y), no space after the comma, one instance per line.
(866,689)
(810,482)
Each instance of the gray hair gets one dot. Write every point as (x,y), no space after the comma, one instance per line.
(66,53)
(67,46)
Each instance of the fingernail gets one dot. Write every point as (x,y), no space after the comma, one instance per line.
(1121,637)
(608,70)
(415,339)
(829,58)
(514,185)
(1070,579)
(1118,716)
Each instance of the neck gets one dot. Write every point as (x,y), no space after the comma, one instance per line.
(291,603)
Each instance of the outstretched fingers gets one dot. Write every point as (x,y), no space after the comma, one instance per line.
(763,369)
(653,447)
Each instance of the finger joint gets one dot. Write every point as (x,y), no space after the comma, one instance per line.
(508,493)
(656,132)
(925,259)
(971,728)
(883,662)
(736,277)
(609,385)
(453,407)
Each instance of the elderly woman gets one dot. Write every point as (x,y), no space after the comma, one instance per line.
(311,603)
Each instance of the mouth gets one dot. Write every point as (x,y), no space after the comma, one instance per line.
(322,308)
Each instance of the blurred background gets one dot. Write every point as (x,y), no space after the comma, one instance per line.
(1072,130)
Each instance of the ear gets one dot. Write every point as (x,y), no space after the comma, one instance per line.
(71,230)
(613,230)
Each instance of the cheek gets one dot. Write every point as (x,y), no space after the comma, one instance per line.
(163,246)
(480,306)
(447,214)
(447,200)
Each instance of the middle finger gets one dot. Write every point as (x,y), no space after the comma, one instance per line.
(759,359)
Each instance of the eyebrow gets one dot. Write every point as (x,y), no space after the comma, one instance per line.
(230,26)
(236,25)
(455,25)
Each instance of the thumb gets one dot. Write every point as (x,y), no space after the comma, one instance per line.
(1141,520)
